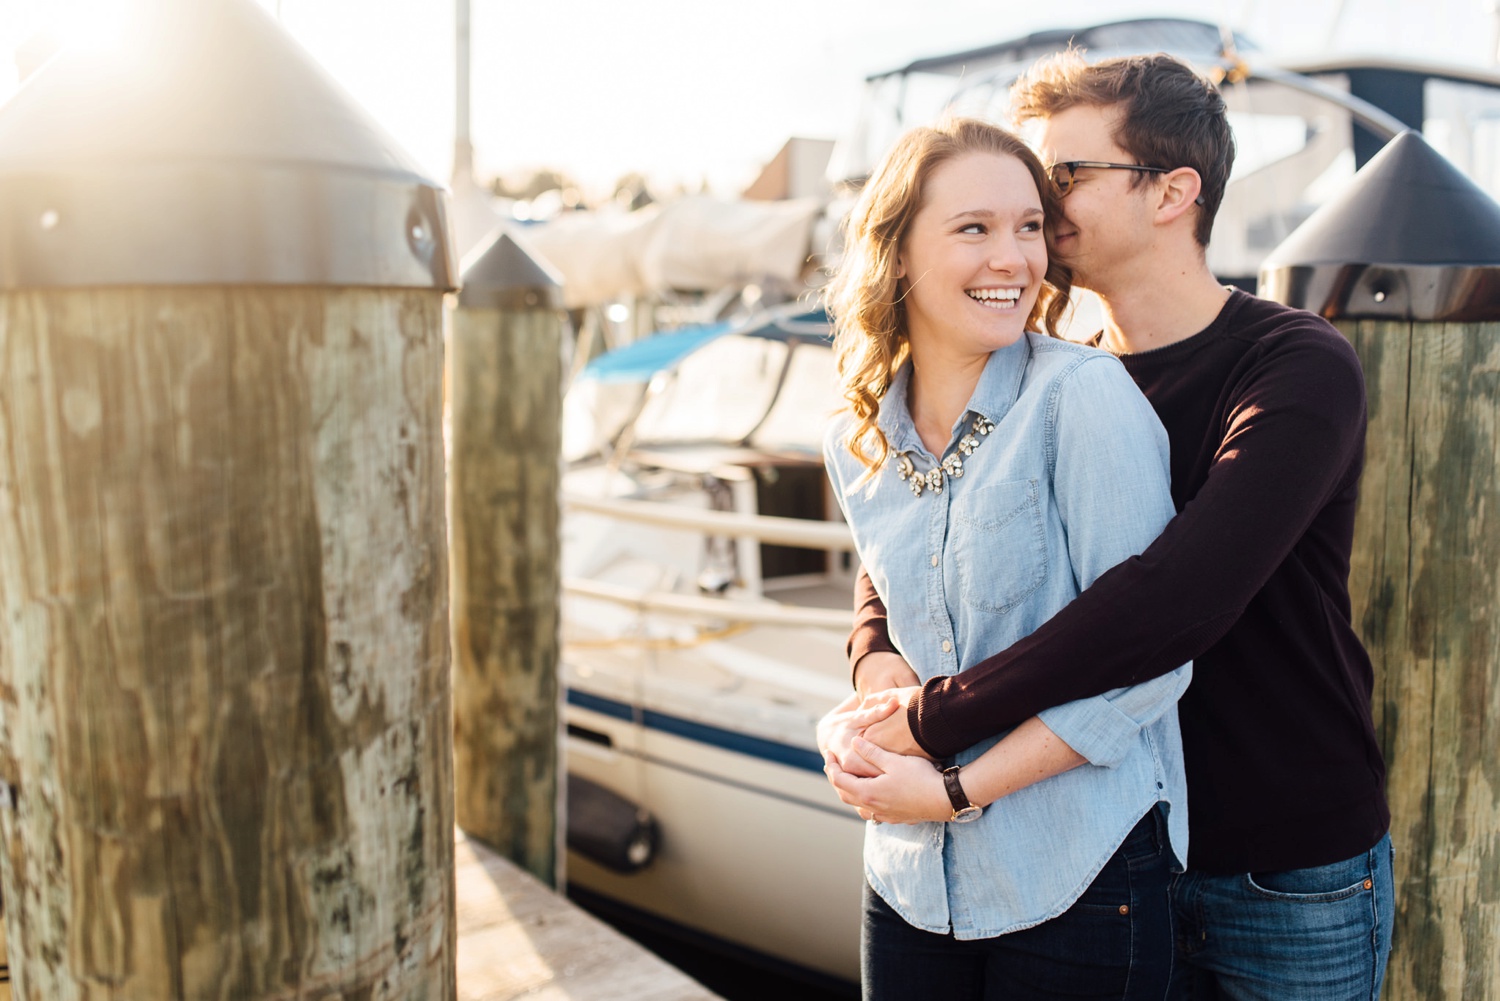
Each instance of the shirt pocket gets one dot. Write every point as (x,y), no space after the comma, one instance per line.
(999,545)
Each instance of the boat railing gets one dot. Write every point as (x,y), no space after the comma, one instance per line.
(806,533)
(690,606)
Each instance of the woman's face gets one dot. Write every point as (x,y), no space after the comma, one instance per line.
(973,259)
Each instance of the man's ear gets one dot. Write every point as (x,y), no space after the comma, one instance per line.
(1179,193)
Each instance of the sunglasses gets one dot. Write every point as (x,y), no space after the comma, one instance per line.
(1063,174)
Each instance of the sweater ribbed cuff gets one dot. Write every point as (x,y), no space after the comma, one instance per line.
(867,639)
(925,720)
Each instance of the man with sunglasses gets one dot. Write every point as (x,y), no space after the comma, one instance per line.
(1288,893)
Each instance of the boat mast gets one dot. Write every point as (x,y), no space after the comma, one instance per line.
(1333,26)
(1495,46)
(463,147)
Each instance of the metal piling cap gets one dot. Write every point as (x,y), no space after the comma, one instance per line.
(207,147)
(503,274)
(1410,237)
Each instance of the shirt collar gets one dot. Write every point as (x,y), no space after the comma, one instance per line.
(996,392)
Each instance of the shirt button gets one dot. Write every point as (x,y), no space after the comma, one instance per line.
(947,647)
(934,559)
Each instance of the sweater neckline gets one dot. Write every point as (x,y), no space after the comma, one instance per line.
(1188,345)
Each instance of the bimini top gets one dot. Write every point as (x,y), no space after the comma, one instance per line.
(206,147)
(642,360)
(1198,40)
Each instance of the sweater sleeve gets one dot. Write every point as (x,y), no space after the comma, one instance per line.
(1292,434)
(870,632)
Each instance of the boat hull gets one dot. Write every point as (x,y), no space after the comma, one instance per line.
(754,847)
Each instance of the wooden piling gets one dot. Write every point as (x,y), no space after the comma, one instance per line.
(225,689)
(225,730)
(505,387)
(1406,261)
(1425,583)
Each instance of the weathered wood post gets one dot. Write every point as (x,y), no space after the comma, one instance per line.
(225,731)
(1407,262)
(505,390)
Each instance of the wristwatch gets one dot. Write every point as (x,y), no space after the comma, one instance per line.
(963,810)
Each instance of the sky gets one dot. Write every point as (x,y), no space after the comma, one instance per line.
(706,91)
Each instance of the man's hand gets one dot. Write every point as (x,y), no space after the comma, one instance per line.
(843,723)
(892,732)
(878,671)
(904,790)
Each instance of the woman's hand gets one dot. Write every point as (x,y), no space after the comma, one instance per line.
(892,731)
(843,723)
(878,671)
(904,790)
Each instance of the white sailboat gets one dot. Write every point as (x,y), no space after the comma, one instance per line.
(706,588)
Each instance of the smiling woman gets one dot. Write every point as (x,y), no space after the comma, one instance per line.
(963,196)
(968,892)
(973,259)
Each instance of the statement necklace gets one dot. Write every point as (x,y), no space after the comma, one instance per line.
(952,465)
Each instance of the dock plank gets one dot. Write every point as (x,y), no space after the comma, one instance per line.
(517,938)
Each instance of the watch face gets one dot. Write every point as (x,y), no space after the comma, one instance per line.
(967,814)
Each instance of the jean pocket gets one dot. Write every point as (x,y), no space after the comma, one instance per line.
(999,545)
(1112,891)
(1315,884)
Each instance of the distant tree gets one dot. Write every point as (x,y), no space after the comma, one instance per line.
(532,185)
(633,192)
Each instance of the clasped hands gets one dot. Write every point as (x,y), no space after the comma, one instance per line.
(869,754)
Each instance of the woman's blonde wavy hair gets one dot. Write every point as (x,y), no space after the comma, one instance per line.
(865,296)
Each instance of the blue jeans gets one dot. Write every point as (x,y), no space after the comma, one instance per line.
(1114,943)
(1318,934)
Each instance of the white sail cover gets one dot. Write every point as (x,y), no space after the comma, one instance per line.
(698,243)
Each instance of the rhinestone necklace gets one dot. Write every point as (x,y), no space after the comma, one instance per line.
(952,464)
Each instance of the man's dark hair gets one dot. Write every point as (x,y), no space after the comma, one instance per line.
(1171,116)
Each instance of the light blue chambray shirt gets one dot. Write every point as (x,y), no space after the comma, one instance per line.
(1073,480)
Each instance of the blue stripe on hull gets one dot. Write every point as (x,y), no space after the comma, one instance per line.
(729,740)
(599,704)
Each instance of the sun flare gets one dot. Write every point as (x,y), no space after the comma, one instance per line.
(92,24)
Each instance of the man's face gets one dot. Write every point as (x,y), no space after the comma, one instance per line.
(1106,225)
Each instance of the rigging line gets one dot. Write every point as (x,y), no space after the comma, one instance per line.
(1226,32)
(643,642)
(1495,35)
(1333,26)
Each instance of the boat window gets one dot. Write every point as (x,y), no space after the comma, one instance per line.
(807,401)
(1263,139)
(1291,149)
(1462,121)
(594,414)
(719,393)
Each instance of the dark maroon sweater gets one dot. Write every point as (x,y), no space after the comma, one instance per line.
(1265,410)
